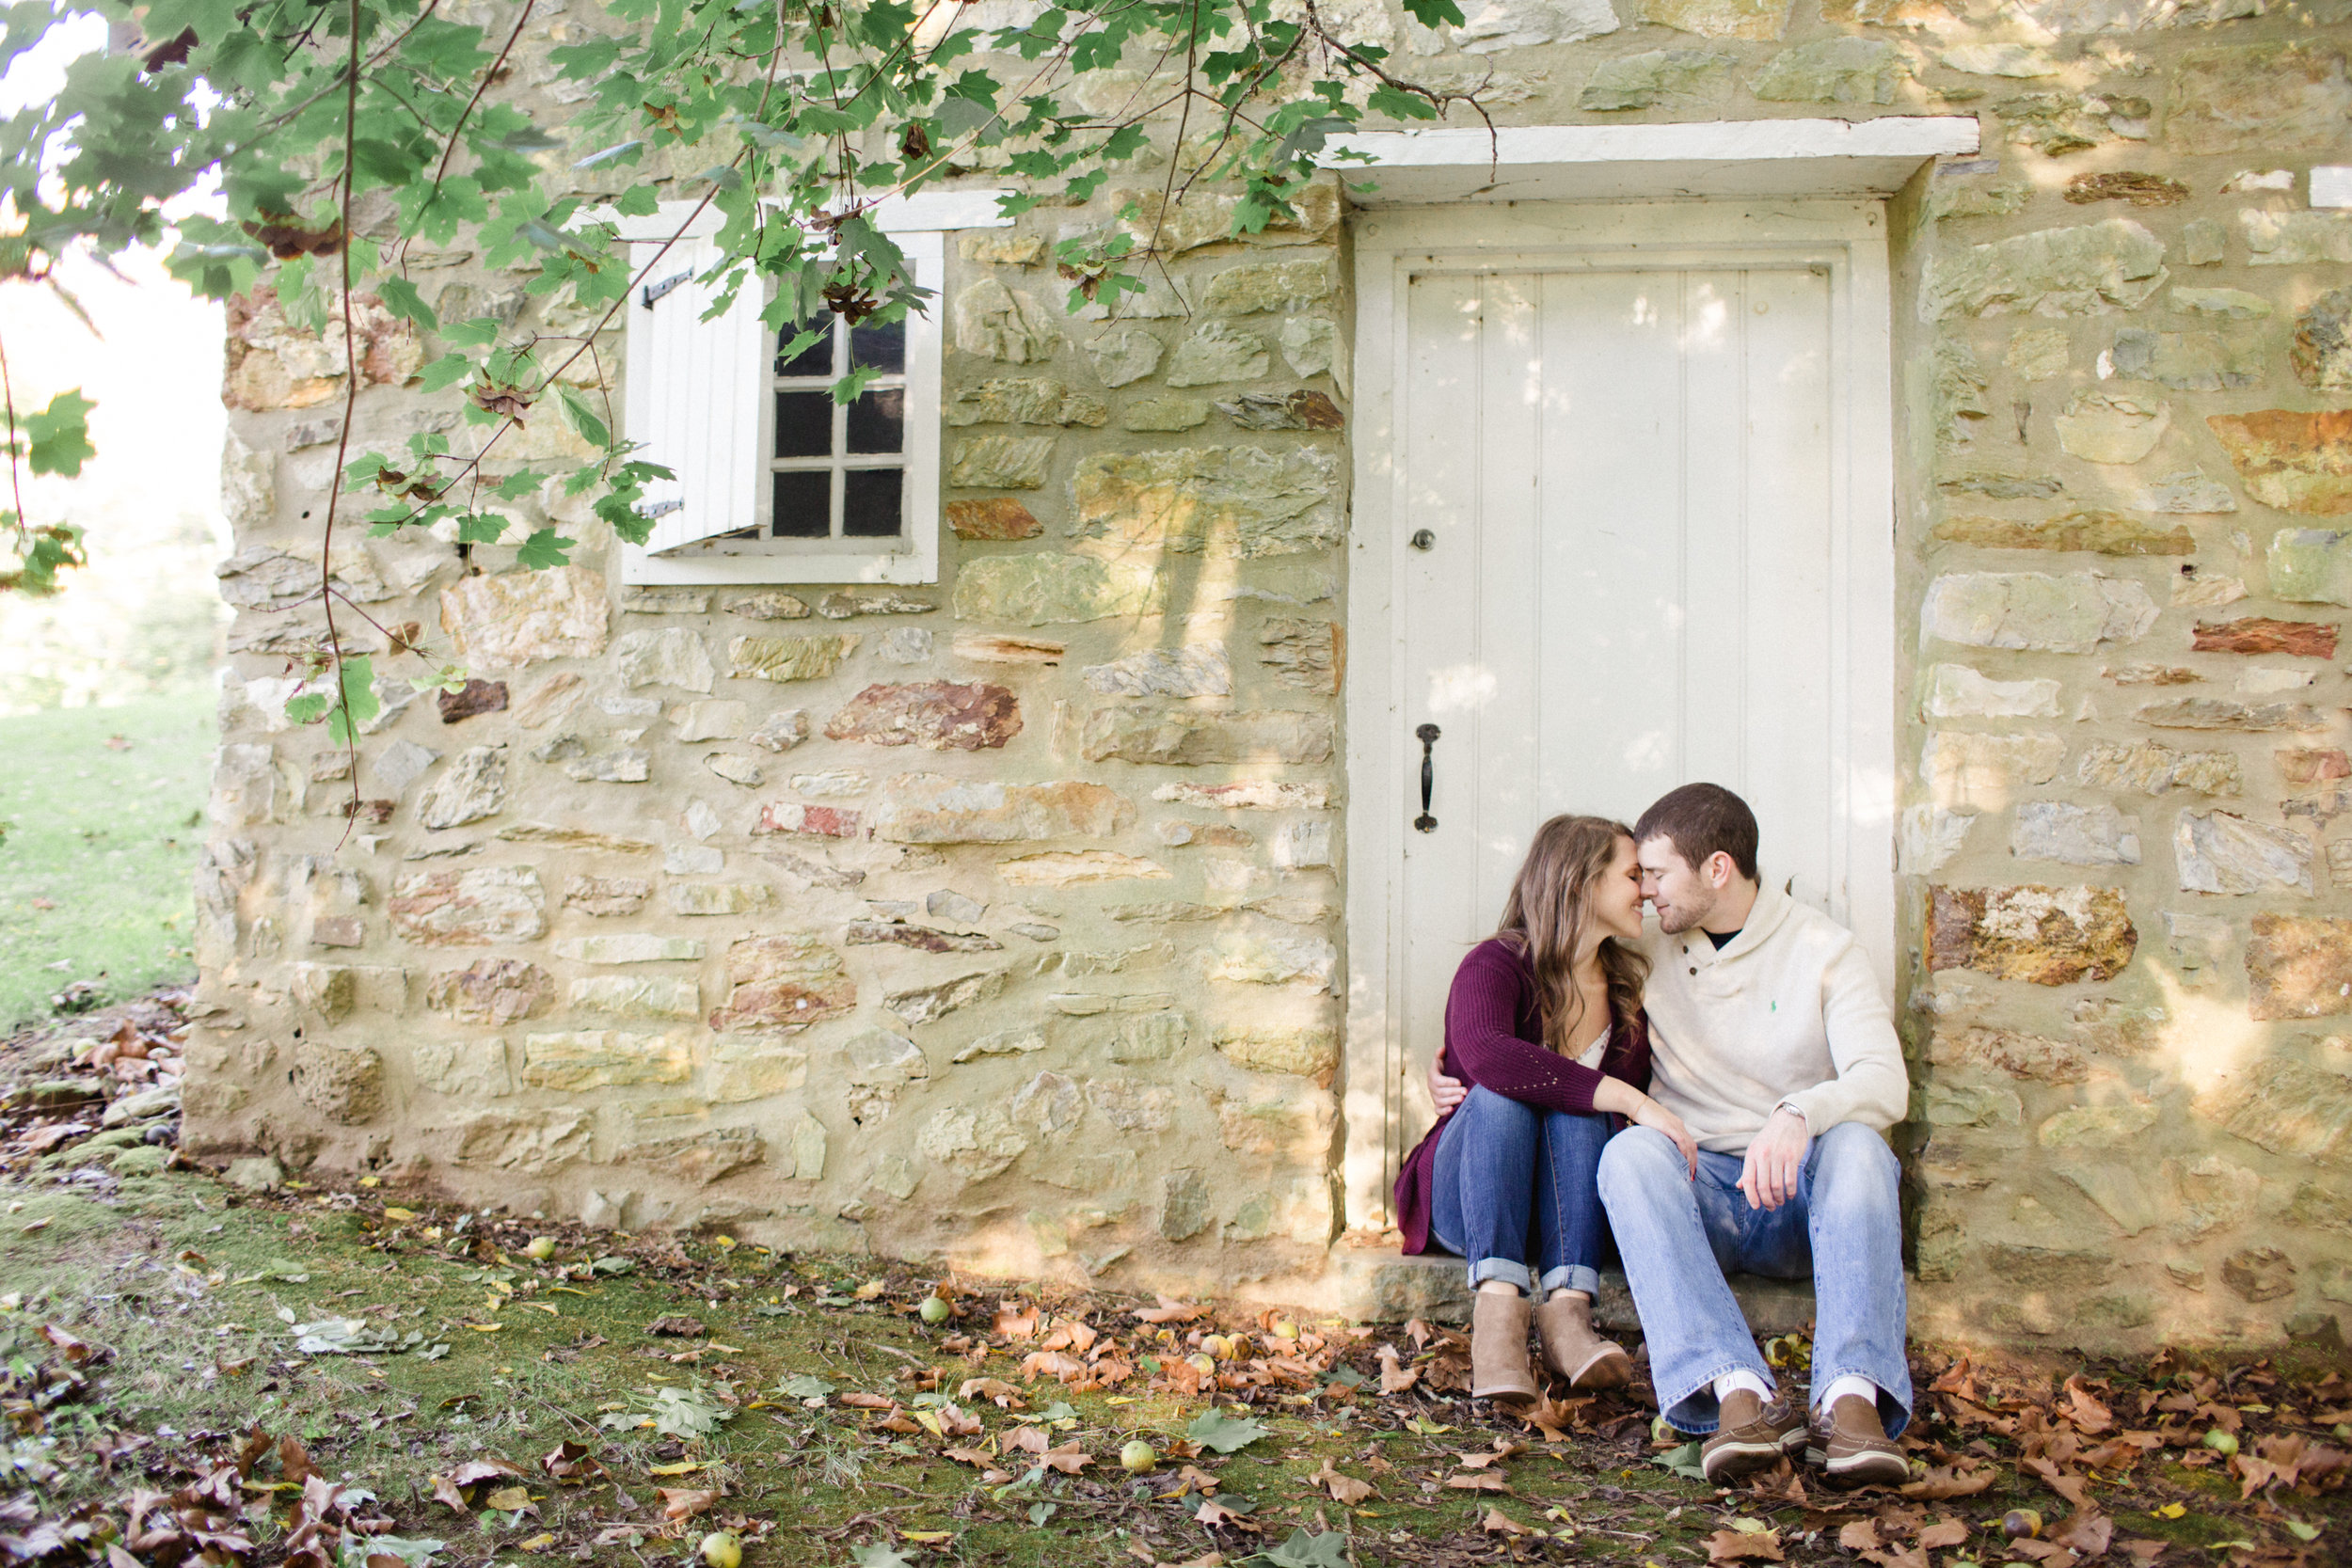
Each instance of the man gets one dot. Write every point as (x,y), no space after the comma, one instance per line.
(1770,1041)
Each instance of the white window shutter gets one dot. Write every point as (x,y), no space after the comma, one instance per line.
(694,393)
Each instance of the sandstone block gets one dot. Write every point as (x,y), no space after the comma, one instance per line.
(2153,768)
(998,518)
(1954,1104)
(1049,1104)
(606,895)
(2296,238)
(2299,967)
(2049,936)
(790,659)
(1309,343)
(1218,351)
(2290,1108)
(1000,462)
(938,716)
(574,838)
(735,768)
(461,1068)
(784,982)
(1024,399)
(492,990)
(1719,19)
(627,765)
(1639,81)
(748,1068)
(603,1058)
(1255,959)
(2102,427)
(1164,411)
(1927,838)
(472,788)
(2087,270)
(1307,654)
(1304,1051)
(2098,1126)
(923,938)
(1039,589)
(2259,1273)
(700,1157)
(2185,361)
(808,1139)
(526,1141)
(706,898)
(671,656)
(632,947)
(669,997)
(769,605)
(2268,99)
(1187,739)
(2311,565)
(2258,635)
(2070,613)
(2208,713)
(1266,286)
(929,808)
(1183,1210)
(1125,355)
(781,731)
(1962,691)
(1304,409)
(2117,1191)
(1832,70)
(481,908)
(343,1082)
(2227,304)
(2295,462)
(1066,867)
(719,718)
(2028,1056)
(510,620)
(974,1146)
(1005,324)
(1960,768)
(1247,795)
(2104,532)
(471,701)
(1004,1042)
(1246,501)
(926,1003)
(2078,835)
(1193,670)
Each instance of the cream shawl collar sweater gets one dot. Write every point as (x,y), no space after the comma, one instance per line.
(1788,1011)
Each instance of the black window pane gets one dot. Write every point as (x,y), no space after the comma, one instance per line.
(882,346)
(803,505)
(870,503)
(877,420)
(804,424)
(817,359)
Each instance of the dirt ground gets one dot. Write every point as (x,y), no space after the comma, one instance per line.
(336,1376)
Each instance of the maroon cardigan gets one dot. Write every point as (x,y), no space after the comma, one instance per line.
(1494,1038)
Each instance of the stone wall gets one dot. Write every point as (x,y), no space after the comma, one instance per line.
(999,921)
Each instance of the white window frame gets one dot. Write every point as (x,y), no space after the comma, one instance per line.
(732,400)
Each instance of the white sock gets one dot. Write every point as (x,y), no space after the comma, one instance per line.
(1852,1382)
(1726,1385)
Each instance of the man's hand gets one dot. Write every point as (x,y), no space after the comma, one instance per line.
(1775,1161)
(1446,1092)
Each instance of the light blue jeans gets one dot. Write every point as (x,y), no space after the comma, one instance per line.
(1512,1186)
(1679,1238)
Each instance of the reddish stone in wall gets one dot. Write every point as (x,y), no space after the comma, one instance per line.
(2255,634)
(2310,766)
(2294,460)
(938,716)
(478,696)
(785,816)
(998,518)
(787,981)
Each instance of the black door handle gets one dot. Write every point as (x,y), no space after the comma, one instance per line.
(1427,735)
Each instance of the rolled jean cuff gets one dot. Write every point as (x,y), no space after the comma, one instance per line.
(1573,1276)
(1510,1271)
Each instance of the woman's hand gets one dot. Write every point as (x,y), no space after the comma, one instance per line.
(1651,1113)
(1445,1092)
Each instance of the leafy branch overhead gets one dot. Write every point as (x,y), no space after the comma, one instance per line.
(354,143)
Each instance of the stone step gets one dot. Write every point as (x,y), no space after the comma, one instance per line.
(1376,1284)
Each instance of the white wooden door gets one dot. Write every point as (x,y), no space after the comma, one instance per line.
(1613,573)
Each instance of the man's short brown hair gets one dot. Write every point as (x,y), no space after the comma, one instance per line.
(1700,819)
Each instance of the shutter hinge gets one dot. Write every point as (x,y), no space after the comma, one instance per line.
(661,508)
(655,290)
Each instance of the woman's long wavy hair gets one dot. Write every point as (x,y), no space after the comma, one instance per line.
(1549,912)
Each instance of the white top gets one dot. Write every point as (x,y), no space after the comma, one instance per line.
(1788,1012)
(1595,1051)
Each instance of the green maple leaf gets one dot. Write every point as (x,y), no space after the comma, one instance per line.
(1214,1429)
(60,435)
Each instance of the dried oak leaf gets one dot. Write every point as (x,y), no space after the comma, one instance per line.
(1498,1523)
(1481,1480)
(676,1326)
(1946,1481)
(1732,1546)
(683,1502)
(1346,1489)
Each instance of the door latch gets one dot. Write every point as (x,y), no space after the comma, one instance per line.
(1427,735)
(1423,539)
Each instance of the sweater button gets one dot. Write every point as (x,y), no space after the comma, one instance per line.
(1694,969)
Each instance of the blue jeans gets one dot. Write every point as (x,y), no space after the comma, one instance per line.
(1501,1164)
(1680,1237)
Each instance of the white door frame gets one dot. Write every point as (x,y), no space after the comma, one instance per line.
(1845,236)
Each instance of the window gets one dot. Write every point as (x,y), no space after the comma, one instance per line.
(774,481)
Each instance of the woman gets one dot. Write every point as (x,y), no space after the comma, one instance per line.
(1545,1021)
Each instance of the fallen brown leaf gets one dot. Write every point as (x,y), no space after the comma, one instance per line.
(1498,1523)
(2086,1533)
(1944,1532)
(1191,1479)
(1860,1536)
(1481,1461)
(1731,1546)
(676,1326)
(1395,1377)
(1944,1481)
(1212,1513)
(681,1502)
(1478,1481)
(1346,1489)
(1069,1459)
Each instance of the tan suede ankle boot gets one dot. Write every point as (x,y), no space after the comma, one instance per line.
(1573,1350)
(1499,1366)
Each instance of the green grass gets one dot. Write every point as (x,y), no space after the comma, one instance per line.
(106,839)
